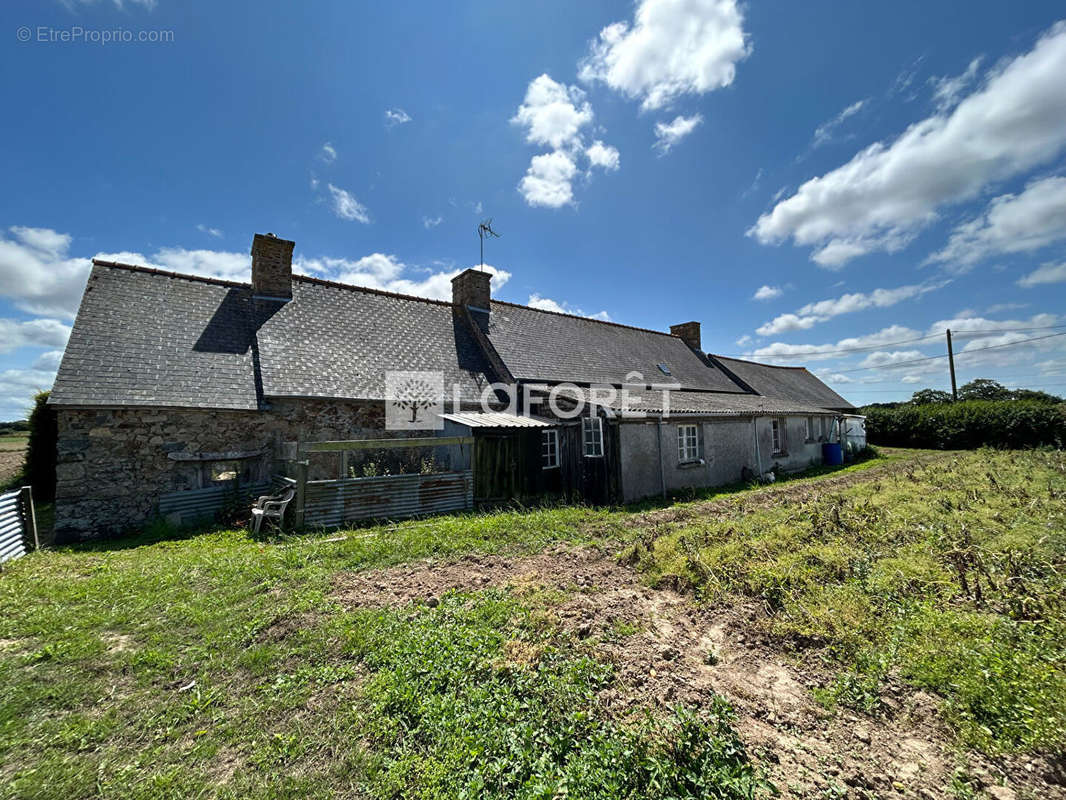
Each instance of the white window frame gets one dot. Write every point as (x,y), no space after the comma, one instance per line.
(688,443)
(777,436)
(592,437)
(808,429)
(821,429)
(549,449)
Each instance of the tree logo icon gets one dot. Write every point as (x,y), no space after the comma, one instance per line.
(414,400)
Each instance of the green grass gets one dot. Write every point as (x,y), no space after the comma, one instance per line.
(947,576)
(214,665)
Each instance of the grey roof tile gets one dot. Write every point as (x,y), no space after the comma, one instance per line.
(794,383)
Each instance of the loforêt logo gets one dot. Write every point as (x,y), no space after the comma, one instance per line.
(414,400)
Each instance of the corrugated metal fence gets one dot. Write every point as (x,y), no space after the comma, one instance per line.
(331,503)
(198,505)
(18,524)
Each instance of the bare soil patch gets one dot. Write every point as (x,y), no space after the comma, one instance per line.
(11,463)
(668,650)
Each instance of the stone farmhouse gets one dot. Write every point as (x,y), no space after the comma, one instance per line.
(173,383)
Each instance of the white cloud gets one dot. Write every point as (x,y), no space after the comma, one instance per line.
(911,379)
(431,222)
(947,90)
(823,134)
(667,134)
(1011,223)
(547,304)
(209,263)
(887,193)
(346,206)
(328,153)
(766,292)
(37,273)
(17,387)
(822,310)
(396,116)
(32,333)
(603,155)
(813,352)
(548,180)
(49,361)
(969,323)
(882,358)
(554,115)
(210,231)
(672,48)
(999,308)
(1045,273)
(744,341)
(388,273)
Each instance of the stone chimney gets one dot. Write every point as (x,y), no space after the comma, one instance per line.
(470,288)
(689,333)
(271,267)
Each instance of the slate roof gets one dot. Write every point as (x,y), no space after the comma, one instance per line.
(714,404)
(795,383)
(545,346)
(151,338)
(144,337)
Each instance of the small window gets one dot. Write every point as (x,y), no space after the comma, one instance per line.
(808,429)
(592,436)
(688,443)
(821,428)
(777,429)
(663,368)
(550,449)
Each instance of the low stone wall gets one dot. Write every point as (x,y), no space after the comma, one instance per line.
(114,463)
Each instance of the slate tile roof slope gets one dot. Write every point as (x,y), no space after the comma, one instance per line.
(144,338)
(149,338)
(545,346)
(716,404)
(337,341)
(793,383)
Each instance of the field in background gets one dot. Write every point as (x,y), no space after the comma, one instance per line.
(875,630)
(12,455)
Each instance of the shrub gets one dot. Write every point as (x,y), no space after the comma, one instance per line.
(969,424)
(40,469)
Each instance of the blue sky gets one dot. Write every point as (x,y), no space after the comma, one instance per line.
(803,178)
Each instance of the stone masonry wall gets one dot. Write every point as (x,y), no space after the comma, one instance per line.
(114,463)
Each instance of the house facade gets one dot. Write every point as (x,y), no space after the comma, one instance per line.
(174,383)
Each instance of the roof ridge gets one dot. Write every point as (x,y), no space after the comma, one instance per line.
(757,363)
(369,290)
(587,319)
(100,262)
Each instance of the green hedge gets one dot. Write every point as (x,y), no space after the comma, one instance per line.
(968,424)
(40,470)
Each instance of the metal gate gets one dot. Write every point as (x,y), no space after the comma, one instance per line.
(18,524)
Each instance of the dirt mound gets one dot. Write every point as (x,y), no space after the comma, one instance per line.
(668,650)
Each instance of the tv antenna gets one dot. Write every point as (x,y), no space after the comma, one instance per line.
(485,229)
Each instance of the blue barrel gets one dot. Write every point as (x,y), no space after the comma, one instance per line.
(832,454)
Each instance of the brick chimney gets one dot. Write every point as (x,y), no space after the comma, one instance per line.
(271,267)
(689,333)
(470,288)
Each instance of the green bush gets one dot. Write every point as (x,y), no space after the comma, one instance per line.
(40,470)
(969,424)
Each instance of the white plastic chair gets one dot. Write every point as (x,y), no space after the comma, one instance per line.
(272,506)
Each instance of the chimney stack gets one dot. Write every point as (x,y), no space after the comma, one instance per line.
(689,333)
(271,267)
(470,288)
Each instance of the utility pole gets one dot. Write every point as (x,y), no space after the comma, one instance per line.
(951,365)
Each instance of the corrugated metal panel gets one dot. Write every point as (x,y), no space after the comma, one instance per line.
(201,504)
(12,527)
(497,419)
(333,503)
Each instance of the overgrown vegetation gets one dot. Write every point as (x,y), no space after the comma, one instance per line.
(947,576)
(968,424)
(40,470)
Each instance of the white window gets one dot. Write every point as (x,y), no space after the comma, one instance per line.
(821,428)
(808,429)
(688,443)
(592,436)
(777,429)
(550,449)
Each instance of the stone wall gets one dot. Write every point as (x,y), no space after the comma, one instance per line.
(114,463)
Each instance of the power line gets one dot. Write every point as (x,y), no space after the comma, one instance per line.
(963,353)
(883,345)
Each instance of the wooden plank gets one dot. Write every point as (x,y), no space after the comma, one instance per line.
(386,444)
(26,496)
